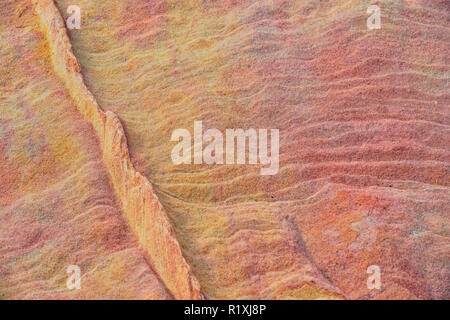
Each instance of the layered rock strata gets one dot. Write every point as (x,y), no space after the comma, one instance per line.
(142,208)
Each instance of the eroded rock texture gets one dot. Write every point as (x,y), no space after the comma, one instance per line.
(364,142)
(57,205)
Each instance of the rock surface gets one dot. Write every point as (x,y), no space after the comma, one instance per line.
(364,141)
(57,204)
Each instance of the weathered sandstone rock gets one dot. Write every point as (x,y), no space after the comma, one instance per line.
(57,204)
(363,118)
(145,214)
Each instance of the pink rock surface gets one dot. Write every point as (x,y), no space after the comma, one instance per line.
(57,204)
(363,117)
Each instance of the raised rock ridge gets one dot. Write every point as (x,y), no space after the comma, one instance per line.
(57,204)
(142,208)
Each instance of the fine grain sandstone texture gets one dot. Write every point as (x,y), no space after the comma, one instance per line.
(57,205)
(363,118)
(364,124)
(145,214)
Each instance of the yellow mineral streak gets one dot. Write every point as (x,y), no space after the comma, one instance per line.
(145,214)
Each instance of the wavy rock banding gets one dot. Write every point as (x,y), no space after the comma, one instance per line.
(364,176)
(144,211)
(57,204)
(363,118)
